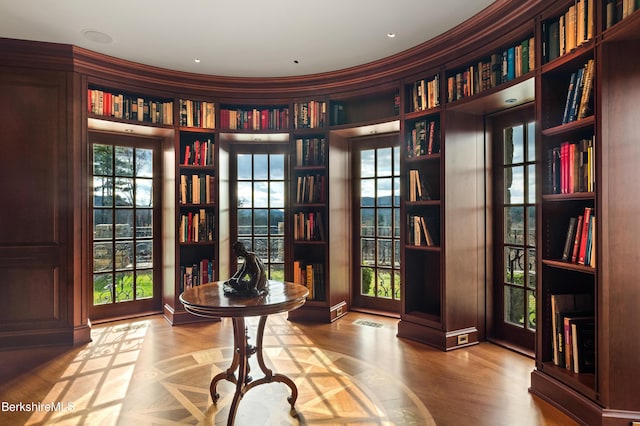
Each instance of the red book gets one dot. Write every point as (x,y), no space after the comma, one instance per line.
(576,241)
(586,222)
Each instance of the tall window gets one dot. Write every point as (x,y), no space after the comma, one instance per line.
(260,194)
(123,222)
(378,224)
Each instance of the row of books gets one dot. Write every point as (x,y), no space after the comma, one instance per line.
(311,115)
(127,107)
(199,153)
(197,114)
(574,332)
(197,189)
(580,241)
(424,138)
(197,226)
(310,275)
(569,30)
(499,68)
(308,226)
(617,10)
(418,189)
(425,94)
(578,101)
(418,232)
(254,119)
(311,152)
(571,167)
(310,189)
(194,275)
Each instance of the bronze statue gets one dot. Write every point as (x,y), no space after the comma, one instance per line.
(251,278)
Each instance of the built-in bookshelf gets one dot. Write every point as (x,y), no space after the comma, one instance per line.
(570,29)
(197,113)
(127,106)
(249,118)
(364,108)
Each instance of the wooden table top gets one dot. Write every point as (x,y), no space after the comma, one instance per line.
(209,300)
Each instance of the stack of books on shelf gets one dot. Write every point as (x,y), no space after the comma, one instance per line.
(571,29)
(580,241)
(309,115)
(310,152)
(419,234)
(196,274)
(425,94)
(127,107)
(418,191)
(310,189)
(572,167)
(500,67)
(197,189)
(578,101)
(199,153)
(308,226)
(254,119)
(310,275)
(198,226)
(424,138)
(573,325)
(617,10)
(197,114)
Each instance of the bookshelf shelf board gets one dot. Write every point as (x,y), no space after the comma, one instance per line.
(353,130)
(521,89)
(574,196)
(423,317)
(569,59)
(115,125)
(423,113)
(309,242)
(256,136)
(573,126)
(423,203)
(419,158)
(581,382)
(569,266)
(198,243)
(422,248)
(626,29)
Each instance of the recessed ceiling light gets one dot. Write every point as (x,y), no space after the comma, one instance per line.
(196,60)
(391,35)
(295,61)
(97,36)
(510,101)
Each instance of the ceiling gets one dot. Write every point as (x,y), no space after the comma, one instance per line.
(239,38)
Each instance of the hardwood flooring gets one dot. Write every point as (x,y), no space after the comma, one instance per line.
(354,371)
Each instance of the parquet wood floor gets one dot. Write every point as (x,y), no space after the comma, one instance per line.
(354,371)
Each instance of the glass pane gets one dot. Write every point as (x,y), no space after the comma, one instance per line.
(514,185)
(396,252)
(245,192)
(368,251)
(124,255)
(276,272)
(124,223)
(144,284)
(244,167)
(514,265)
(102,224)
(396,161)
(102,160)
(385,194)
(367,224)
(261,194)
(276,194)
(396,285)
(514,145)
(514,306)
(396,192)
(531,310)
(385,248)
(102,192)
(531,268)
(366,285)
(124,286)
(124,161)
(124,192)
(384,222)
(367,163)
(385,162)
(514,225)
(144,223)
(260,167)
(385,289)
(102,257)
(144,254)
(245,219)
(396,223)
(277,250)
(531,226)
(144,163)
(531,183)
(531,141)
(144,192)
(102,289)
(260,225)
(261,248)
(276,167)
(276,221)
(367,192)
